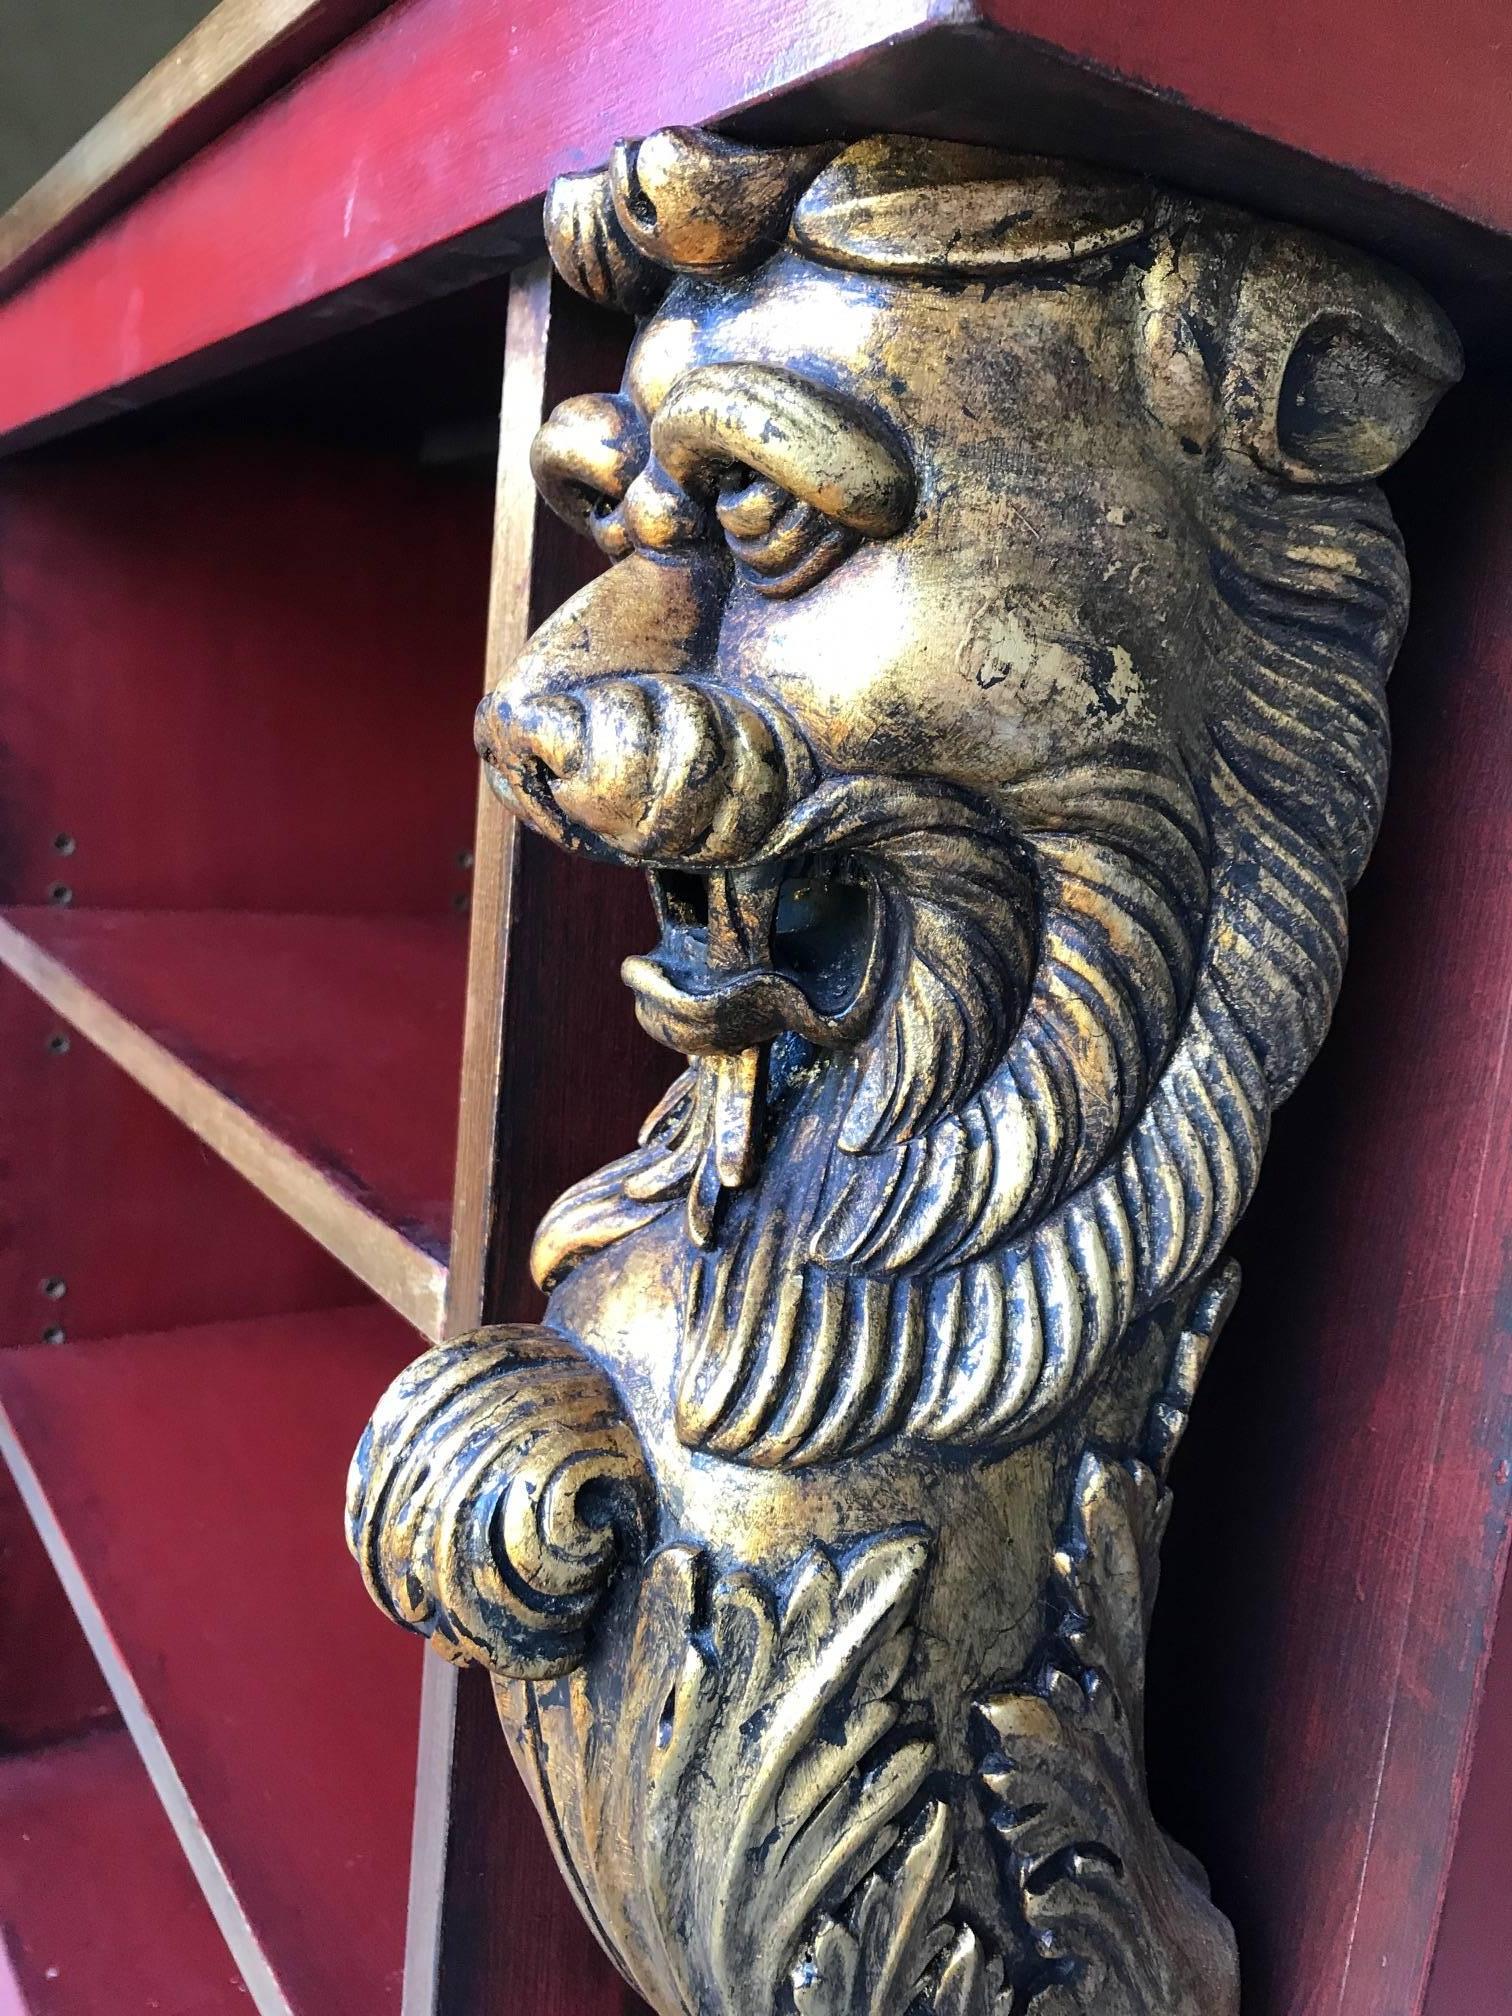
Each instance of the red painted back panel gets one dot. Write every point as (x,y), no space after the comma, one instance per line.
(1471,1972)
(239,674)
(100,1914)
(64,1693)
(1342,1502)
(196,1476)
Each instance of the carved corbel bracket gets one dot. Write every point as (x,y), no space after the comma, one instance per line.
(991,683)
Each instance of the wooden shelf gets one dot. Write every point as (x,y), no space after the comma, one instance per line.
(241,53)
(187,1485)
(334,200)
(100,1912)
(320,1056)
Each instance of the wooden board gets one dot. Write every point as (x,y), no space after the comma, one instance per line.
(414,158)
(241,52)
(1342,1503)
(543,996)
(318,1055)
(99,1909)
(189,1486)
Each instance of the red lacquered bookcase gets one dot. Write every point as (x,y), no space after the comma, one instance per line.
(292,1025)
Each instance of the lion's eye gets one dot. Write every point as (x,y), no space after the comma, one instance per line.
(781,544)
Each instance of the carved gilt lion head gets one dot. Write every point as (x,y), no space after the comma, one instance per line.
(990,678)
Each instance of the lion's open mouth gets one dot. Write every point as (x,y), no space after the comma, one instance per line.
(748,954)
(751,952)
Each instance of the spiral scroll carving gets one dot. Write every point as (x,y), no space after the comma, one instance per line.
(496,1490)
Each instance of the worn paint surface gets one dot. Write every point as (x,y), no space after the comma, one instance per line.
(990,680)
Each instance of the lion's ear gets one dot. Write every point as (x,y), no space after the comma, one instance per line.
(1331,362)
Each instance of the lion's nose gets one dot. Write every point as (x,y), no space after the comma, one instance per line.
(652,768)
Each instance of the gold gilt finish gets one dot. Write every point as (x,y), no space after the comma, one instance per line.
(991,682)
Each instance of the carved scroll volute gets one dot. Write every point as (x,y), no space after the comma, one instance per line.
(990,682)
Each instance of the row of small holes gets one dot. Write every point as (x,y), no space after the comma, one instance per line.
(60,892)
(54,1287)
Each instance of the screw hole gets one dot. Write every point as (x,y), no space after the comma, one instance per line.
(54,1334)
(60,893)
(54,1287)
(465,857)
(64,843)
(461,903)
(59,1044)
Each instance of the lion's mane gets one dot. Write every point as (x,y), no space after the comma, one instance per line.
(834,1309)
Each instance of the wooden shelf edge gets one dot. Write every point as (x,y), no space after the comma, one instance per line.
(238,55)
(411,1282)
(208,1869)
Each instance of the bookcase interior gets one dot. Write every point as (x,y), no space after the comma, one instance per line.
(240,644)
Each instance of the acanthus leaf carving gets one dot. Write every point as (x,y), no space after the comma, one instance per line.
(762,1767)
(1119,1918)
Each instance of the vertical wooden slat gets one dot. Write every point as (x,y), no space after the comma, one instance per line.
(515,518)
(494,842)
(491,1924)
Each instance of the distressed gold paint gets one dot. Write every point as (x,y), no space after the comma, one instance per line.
(990,682)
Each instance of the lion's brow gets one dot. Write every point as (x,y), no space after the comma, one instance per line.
(816,442)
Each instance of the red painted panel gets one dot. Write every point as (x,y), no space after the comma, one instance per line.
(105,1193)
(50,1685)
(196,1476)
(1471,1975)
(239,674)
(100,1914)
(341,1035)
(1413,96)
(446,118)
(1342,1503)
